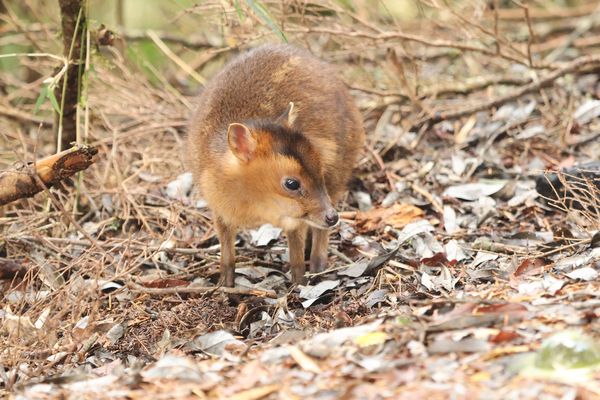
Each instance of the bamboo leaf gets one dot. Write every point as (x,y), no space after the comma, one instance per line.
(238,9)
(54,102)
(261,11)
(41,98)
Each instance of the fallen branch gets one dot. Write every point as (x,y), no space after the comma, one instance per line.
(549,79)
(202,290)
(21,183)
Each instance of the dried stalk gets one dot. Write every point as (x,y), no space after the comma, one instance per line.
(67,92)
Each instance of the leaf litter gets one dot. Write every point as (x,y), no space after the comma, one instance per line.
(451,274)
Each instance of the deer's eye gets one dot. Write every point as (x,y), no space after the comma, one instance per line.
(291,184)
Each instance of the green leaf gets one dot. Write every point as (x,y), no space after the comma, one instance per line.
(347,4)
(54,102)
(264,15)
(92,70)
(238,9)
(41,98)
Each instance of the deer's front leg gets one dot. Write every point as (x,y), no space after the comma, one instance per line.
(226,234)
(296,242)
(318,254)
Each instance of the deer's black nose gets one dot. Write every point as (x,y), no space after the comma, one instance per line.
(331,218)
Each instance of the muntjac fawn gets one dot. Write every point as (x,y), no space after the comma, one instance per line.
(274,140)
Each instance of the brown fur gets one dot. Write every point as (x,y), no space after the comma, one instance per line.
(317,143)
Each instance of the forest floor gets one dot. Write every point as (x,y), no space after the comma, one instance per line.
(450,275)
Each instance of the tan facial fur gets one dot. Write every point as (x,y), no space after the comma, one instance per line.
(250,193)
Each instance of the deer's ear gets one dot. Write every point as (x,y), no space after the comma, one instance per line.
(289,115)
(241,141)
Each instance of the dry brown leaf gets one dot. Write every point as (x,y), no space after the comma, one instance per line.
(504,351)
(304,361)
(396,216)
(530,266)
(255,393)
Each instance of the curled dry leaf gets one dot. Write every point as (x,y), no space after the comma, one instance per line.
(306,362)
(470,345)
(326,343)
(115,333)
(264,235)
(215,343)
(364,201)
(504,336)
(173,367)
(354,270)
(584,274)
(587,111)
(312,293)
(180,188)
(397,216)
(450,224)
(17,325)
(255,393)
(371,338)
(474,191)
(530,266)
(454,252)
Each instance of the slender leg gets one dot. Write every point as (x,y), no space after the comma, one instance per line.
(226,235)
(318,254)
(308,244)
(296,239)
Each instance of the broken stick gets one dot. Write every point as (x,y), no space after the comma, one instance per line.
(21,182)
(202,290)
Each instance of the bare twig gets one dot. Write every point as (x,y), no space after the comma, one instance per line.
(531,32)
(391,35)
(202,290)
(575,65)
(191,43)
(471,84)
(434,202)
